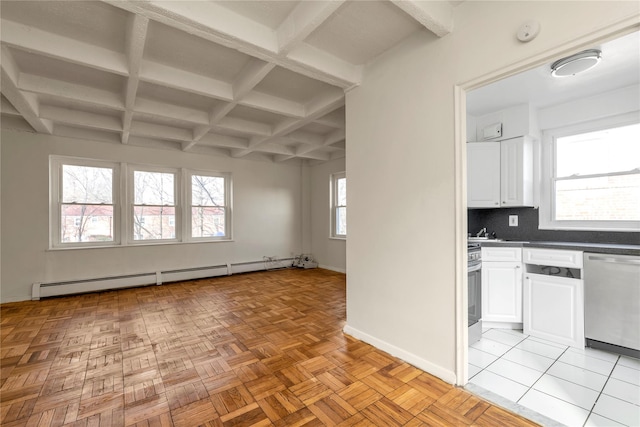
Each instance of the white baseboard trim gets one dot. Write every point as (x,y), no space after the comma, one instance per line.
(336,269)
(418,362)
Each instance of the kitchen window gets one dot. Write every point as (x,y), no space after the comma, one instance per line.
(592,177)
(84,203)
(339,205)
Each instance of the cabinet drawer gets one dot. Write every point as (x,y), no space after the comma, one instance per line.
(501,254)
(553,257)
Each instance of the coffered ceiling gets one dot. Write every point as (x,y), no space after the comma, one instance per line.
(246,79)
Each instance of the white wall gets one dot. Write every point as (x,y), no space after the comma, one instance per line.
(406,220)
(330,253)
(608,104)
(267,218)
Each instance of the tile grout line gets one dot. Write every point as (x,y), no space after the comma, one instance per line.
(602,390)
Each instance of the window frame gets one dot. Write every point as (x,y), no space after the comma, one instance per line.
(130,205)
(335,206)
(547,219)
(56,177)
(123,202)
(228,209)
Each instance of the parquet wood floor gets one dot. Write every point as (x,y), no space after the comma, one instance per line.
(258,349)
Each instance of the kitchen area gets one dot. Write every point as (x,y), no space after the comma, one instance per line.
(553,197)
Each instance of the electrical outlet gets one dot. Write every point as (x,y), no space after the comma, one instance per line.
(513,220)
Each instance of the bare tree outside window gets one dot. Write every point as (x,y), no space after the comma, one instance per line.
(87,204)
(154,205)
(208,206)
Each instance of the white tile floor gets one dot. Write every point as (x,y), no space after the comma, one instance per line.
(571,386)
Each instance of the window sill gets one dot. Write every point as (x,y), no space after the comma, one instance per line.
(337,238)
(135,245)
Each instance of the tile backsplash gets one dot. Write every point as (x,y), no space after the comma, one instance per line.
(497,220)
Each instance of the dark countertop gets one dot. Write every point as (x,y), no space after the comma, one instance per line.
(602,248)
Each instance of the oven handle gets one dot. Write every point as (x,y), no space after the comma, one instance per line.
(474,267)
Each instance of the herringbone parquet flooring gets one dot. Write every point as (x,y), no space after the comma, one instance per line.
(259,349)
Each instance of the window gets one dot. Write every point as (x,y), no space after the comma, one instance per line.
(339,205)
(209,206)
(154,205)
(84,197)
(593,177)
(161,205)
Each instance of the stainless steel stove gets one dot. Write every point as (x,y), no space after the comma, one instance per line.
(474,271)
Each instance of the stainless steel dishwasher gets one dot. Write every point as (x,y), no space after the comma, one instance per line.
(612,302)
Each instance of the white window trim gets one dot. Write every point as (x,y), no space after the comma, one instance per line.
(546,221)
(177,186)
(55,201)
(123,204)
(334,205)
(228,223)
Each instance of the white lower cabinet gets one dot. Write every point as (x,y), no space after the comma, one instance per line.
(502,292)
(502,287)
(553,300)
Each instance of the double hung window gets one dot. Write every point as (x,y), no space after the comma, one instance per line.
(209,206)
(592,177)
(156,205)
(339,205)
(85,204)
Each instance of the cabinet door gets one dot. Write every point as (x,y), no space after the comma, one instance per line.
(554,309)
(502,292)
(516,179)
(483,174)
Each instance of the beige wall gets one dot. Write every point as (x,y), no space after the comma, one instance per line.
(405,258)
(267,203)
(330,253)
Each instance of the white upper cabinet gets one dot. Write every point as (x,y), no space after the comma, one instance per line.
(500,174)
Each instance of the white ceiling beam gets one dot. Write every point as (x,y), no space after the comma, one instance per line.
(305,18)
(55,46)
(318,62)
(159,131)
(70,91)
(225,141)
(245,126)
(7,108)
(333,122)
(273,104)
(305,137)
(164,75)
(223,26)
(249,77)
(318,107)
(171,111)
(136,38)
(26,103)
(308,150)
(435,16)
(80,118)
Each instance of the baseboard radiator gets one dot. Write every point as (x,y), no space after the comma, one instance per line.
(69,287)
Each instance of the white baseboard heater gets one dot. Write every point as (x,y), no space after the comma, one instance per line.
(69,287)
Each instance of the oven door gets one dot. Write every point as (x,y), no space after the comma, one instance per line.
(475,292)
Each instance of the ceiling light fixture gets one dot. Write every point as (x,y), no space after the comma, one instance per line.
(577,63)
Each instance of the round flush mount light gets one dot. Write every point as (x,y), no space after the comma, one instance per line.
(577,63)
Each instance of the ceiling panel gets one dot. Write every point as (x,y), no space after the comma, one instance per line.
(371,27)
(93,22)
(172,75)
(270,13)
(296,87)
(178,49)
(64,71)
